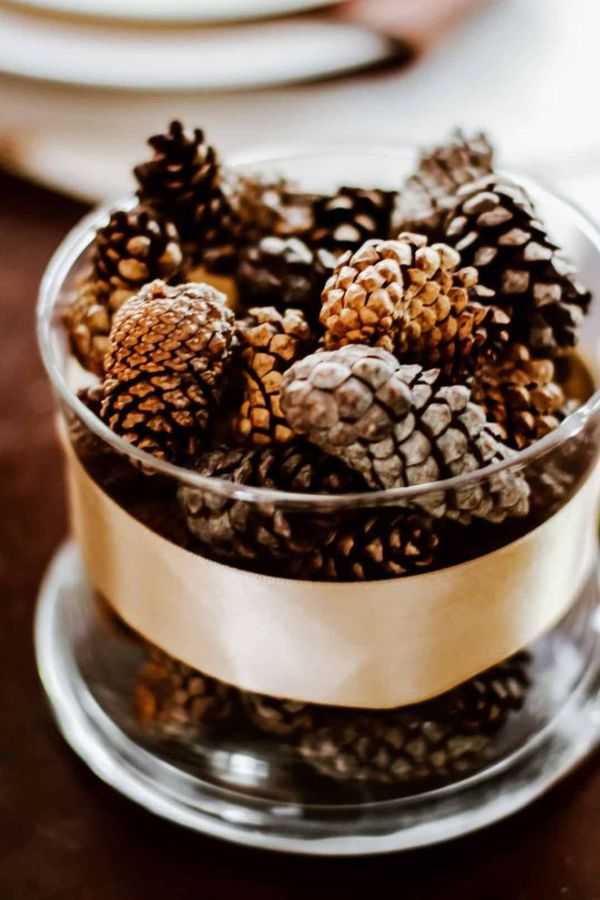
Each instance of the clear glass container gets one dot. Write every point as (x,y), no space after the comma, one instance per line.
(313,769)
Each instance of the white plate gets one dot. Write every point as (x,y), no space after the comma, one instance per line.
(176,10)
(185,57)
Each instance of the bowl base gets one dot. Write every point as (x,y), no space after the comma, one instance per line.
(289,821)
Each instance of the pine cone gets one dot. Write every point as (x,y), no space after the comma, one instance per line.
(428,194)
(451,320)
(486,700)
(87,320)
(106,467)
(374,545)
(520,395)
(218,236)
(452,734)
(151,501)
(494,228)
(181,178)
(135,248)
(169,349)
(409,297)
(270,342)
(257,533)
(275,208)
(351,217)
(85,442)
(132,249)
(278,717)
(362,301)
(284,273)
(395,425)
(174,695)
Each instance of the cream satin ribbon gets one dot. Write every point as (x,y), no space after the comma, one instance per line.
(376,644)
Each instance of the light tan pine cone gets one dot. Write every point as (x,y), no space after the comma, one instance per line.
(428,194)
(521,396)
(271,341)
(494,228)
(362,300)
(411,298)
(395,425)
(176,696)
(169,351)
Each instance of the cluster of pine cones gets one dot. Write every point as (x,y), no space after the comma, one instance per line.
(368,340)
(444,738)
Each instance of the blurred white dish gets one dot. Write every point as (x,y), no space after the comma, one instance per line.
(185,57)
(176,10)
(83,141)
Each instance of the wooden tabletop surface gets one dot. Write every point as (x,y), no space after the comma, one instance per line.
(66,836)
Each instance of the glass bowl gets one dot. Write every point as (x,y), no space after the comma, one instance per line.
(234,689)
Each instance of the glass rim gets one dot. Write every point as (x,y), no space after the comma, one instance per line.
(78,240)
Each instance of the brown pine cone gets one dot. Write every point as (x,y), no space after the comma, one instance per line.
(87,320)
(169,350)
(278,717)
(181,178)
(251,532)
(85,442)
(111,471)
(494,228)
(450,735)
(428,194)
(219,234)
(374,545)
(132,249)
(275,208)
(520,395)
(351,217)
(397,426)
(151,501)
(284,272)
(409,297)
(135,248)
(270,343)
(174,695)
(486,700)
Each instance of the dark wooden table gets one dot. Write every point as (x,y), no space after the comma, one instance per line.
(63,834)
